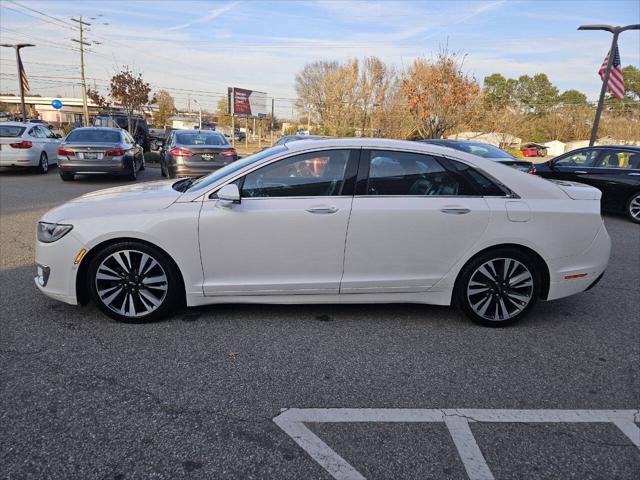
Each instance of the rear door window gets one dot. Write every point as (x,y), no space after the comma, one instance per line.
(582,158)
(413,174)
(619,159)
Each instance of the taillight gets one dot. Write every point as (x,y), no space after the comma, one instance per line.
(180,152)
(114,152)
(229,152)
(66,152)
(532,169)
(22,144)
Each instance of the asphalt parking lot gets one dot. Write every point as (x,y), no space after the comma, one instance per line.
(83,397)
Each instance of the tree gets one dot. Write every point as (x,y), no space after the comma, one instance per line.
(373,85)
(222,112)
(131,91)
(498,91)
(166,107)
(535,94)
(632,82)
(96,98)
(572,97)
(439,95)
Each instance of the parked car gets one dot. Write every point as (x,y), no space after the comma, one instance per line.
(293,138)
(121,120)
(93,150)
(533,150)
(27,145)
(239,136)
(485,150)
(334,221)
(195,152)
(614,170)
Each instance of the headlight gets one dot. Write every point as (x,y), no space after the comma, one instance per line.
(50,232)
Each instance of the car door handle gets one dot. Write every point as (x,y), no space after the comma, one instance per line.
(455,210)
(322,209)
(581,171)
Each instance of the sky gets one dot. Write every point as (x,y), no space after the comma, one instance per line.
(196,49)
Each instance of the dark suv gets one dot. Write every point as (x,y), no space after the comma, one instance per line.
(121,120)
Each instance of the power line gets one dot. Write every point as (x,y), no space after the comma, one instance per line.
(64,22)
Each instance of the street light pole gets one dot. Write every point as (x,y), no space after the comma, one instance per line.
(17,48)
(199,113)
(616,31)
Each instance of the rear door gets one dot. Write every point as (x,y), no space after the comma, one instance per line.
(413,218)
(50,143)
(39,139)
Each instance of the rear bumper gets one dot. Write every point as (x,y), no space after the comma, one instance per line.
(577,273)
(19,158)
(191,171)
(119,167)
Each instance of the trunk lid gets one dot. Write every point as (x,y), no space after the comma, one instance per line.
(578,191)
(90,151)
(208,155)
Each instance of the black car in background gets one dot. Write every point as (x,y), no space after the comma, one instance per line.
(121,120)
(485,150)
(191,153)
(614,170)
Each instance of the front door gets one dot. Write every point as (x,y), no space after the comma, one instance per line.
(287,234)
(412,219)
(574,167)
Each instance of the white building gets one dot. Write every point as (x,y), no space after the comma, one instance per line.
(498,139)
(555,148)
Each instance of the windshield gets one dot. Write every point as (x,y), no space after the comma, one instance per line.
(195,138)
(99,136)
(203,182)
(481,149)
(11,131)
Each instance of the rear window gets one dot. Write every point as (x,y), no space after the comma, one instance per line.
(195,138)
(481,149)
(99,136)
(11,131)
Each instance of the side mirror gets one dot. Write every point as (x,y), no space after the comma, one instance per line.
(229,194)
(57,135)
(551,165)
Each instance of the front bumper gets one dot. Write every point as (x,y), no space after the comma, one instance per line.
(577,273)
(56,272)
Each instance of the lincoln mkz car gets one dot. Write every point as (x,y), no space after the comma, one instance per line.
(92,150)
(330,221)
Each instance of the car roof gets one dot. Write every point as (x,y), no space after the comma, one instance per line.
(107,129)
(21,124)
(604,147)
(197,130)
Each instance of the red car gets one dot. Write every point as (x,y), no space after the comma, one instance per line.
(533,151)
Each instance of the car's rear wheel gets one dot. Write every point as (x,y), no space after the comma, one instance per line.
(43,164)
(133,282)
(162,170)
(66,177)
(497,288)
(133,175)
(633,207)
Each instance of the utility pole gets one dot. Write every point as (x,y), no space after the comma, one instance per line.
(271,126)
(616,31)
(199,113)
(21,72)
(85,107)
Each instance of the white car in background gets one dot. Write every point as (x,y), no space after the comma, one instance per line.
(28,145)
(329,221)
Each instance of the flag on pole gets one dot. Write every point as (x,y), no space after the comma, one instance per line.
(23,75)
(616,79)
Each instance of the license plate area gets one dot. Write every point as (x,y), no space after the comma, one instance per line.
(207,157)
(91,156)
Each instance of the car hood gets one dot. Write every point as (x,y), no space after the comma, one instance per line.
(140,197)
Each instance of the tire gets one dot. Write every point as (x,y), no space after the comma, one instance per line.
(66,177)
(120,290)
(133,175)
(491,300)
(163,173)
(632,209)
(43,164)
(142,164)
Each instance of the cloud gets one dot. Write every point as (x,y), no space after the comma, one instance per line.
(212,14)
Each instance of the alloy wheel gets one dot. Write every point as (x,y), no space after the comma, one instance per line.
(634,208)
(499,289)
(131,283)
(44,163)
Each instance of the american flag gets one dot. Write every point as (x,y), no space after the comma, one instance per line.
(616,79)
(23,75)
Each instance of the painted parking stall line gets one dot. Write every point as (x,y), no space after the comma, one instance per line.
(292,421)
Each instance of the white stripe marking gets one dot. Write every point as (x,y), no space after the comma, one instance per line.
(457,420)
(470,454)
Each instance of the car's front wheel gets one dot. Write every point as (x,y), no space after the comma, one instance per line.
(133,282)
(633,207)
(497,288)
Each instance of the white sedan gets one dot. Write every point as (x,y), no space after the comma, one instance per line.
(329,221)
(27,145)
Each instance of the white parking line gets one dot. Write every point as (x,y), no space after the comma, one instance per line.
(457,421)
